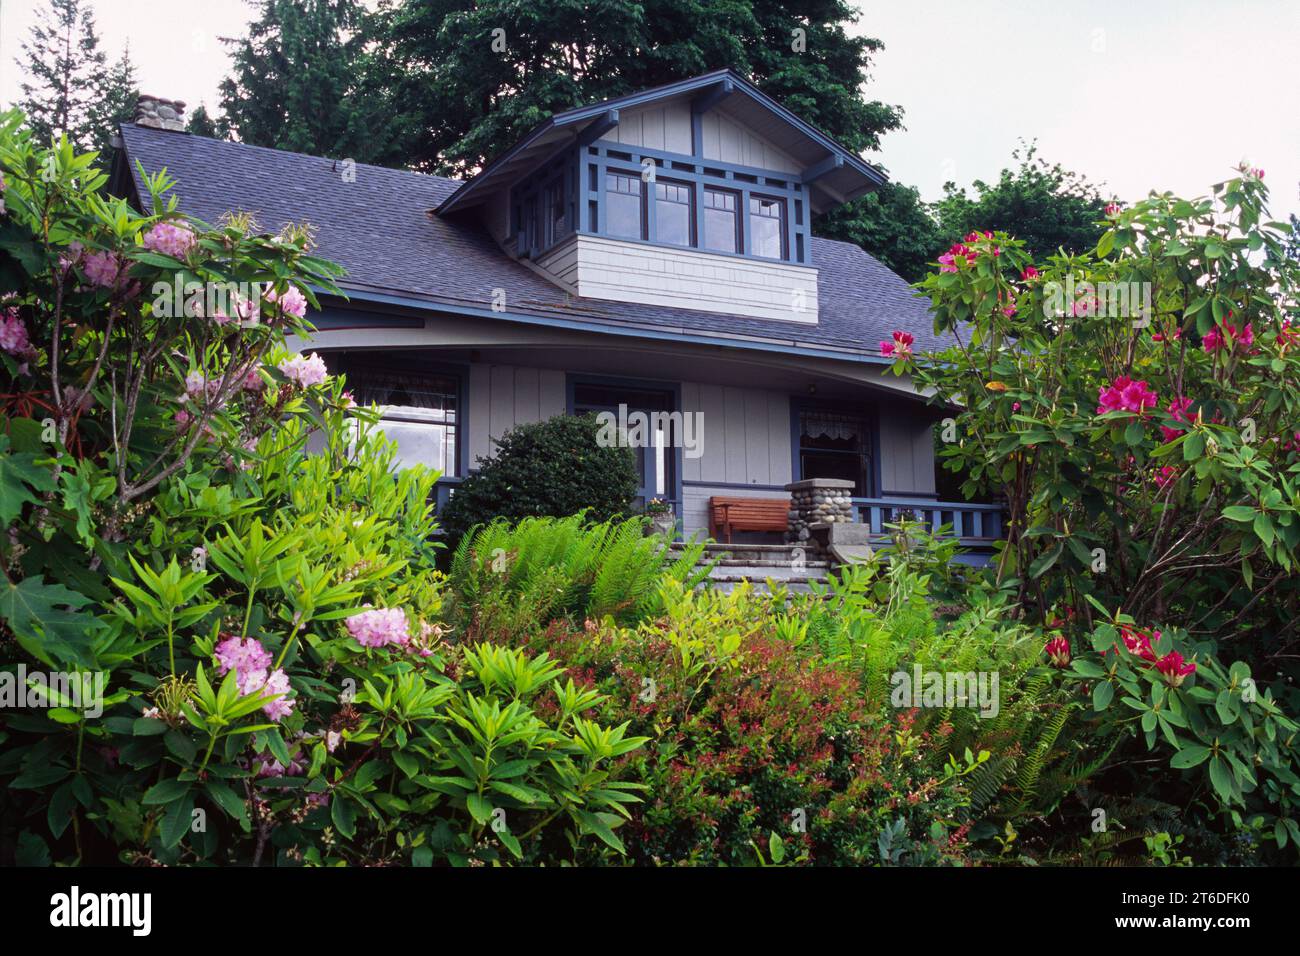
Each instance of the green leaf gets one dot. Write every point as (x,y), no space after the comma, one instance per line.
(344,816)
(480,808)
(166,791)
(19,473)
(1189,756)
(1221,777)
(177,821)
(47,622)
(1102,695)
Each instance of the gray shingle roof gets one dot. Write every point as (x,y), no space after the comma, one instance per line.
(380,229)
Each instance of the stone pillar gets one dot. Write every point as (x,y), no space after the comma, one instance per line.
(817,501)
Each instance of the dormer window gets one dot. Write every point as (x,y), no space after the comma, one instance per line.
(624,206)
(721,225)
(674,213)
(767,227)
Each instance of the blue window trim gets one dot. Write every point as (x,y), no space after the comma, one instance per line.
(573,379)
(745,181)
(870,411)
(581,172)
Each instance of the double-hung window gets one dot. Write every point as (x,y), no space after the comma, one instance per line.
(721,223)
(674,213)
(624,206)
(767,227)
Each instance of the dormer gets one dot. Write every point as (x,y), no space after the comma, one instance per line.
(696,195)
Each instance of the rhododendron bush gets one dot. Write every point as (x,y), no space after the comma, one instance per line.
(209,529)
(1138,409)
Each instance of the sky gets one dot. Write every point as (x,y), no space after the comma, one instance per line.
(1134,94)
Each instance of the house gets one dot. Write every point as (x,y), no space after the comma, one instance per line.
(651,253)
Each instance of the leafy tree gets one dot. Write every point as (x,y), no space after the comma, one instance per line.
(465,92)
(294,78)
(894,224)
(113,106)
(66,73)
(1045,205)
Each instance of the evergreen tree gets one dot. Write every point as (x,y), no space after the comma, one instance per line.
(65,73)
(294,76)
(113,105)
(201,123)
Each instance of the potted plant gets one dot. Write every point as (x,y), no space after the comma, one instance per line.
(662,520)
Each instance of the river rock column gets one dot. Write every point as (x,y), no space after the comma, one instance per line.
(817,501)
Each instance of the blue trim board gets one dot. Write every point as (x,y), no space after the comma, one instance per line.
(433,308)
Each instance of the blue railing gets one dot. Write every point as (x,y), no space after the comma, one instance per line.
(976,526)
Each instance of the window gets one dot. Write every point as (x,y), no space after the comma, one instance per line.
(767,227)
(720,220)
(623,206)
(419,411)
(835,444)
(557,222)
(674,214)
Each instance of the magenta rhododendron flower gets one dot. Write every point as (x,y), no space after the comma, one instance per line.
(1178,410)
(170,239)
(1174,669)
(1029,273)
(948,261)
(901,347)
(1139,643)
(1125,395)
(1164,475)
(1112,210)
(1058,651)
(378,627)
(305,370)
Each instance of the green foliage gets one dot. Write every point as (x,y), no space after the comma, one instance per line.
(1045,206)
(894,224)
(554,468)
(295,82)
(1187,513)
(465,93)
(509,578)
(1218,727)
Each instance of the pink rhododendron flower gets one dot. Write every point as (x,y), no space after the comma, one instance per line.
(292,302)
(13,333)
(170,239)
(247,658)
(253,381)
(1112,210)
(1125,395)
(1174,669)
(948,261)
(102,268)
(1139,643)
(281,705)
(1029,273)
(305,370)
(378,627)
(1058,651)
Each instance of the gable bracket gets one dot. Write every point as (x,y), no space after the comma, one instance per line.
(827,165)
(712,96)
(598,128)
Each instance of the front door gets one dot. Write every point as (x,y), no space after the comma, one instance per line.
(656,458)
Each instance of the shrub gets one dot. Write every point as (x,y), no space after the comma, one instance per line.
(553,468)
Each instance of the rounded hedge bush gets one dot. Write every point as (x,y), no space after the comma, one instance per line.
(553,468)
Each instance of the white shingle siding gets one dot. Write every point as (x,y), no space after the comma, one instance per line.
(601,268)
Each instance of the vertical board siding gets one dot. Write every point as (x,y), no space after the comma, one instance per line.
(906,451)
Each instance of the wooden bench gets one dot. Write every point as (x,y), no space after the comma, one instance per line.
(728,514)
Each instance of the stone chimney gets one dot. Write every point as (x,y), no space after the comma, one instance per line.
(159,113)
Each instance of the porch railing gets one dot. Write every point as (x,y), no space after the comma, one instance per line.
(976,526)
